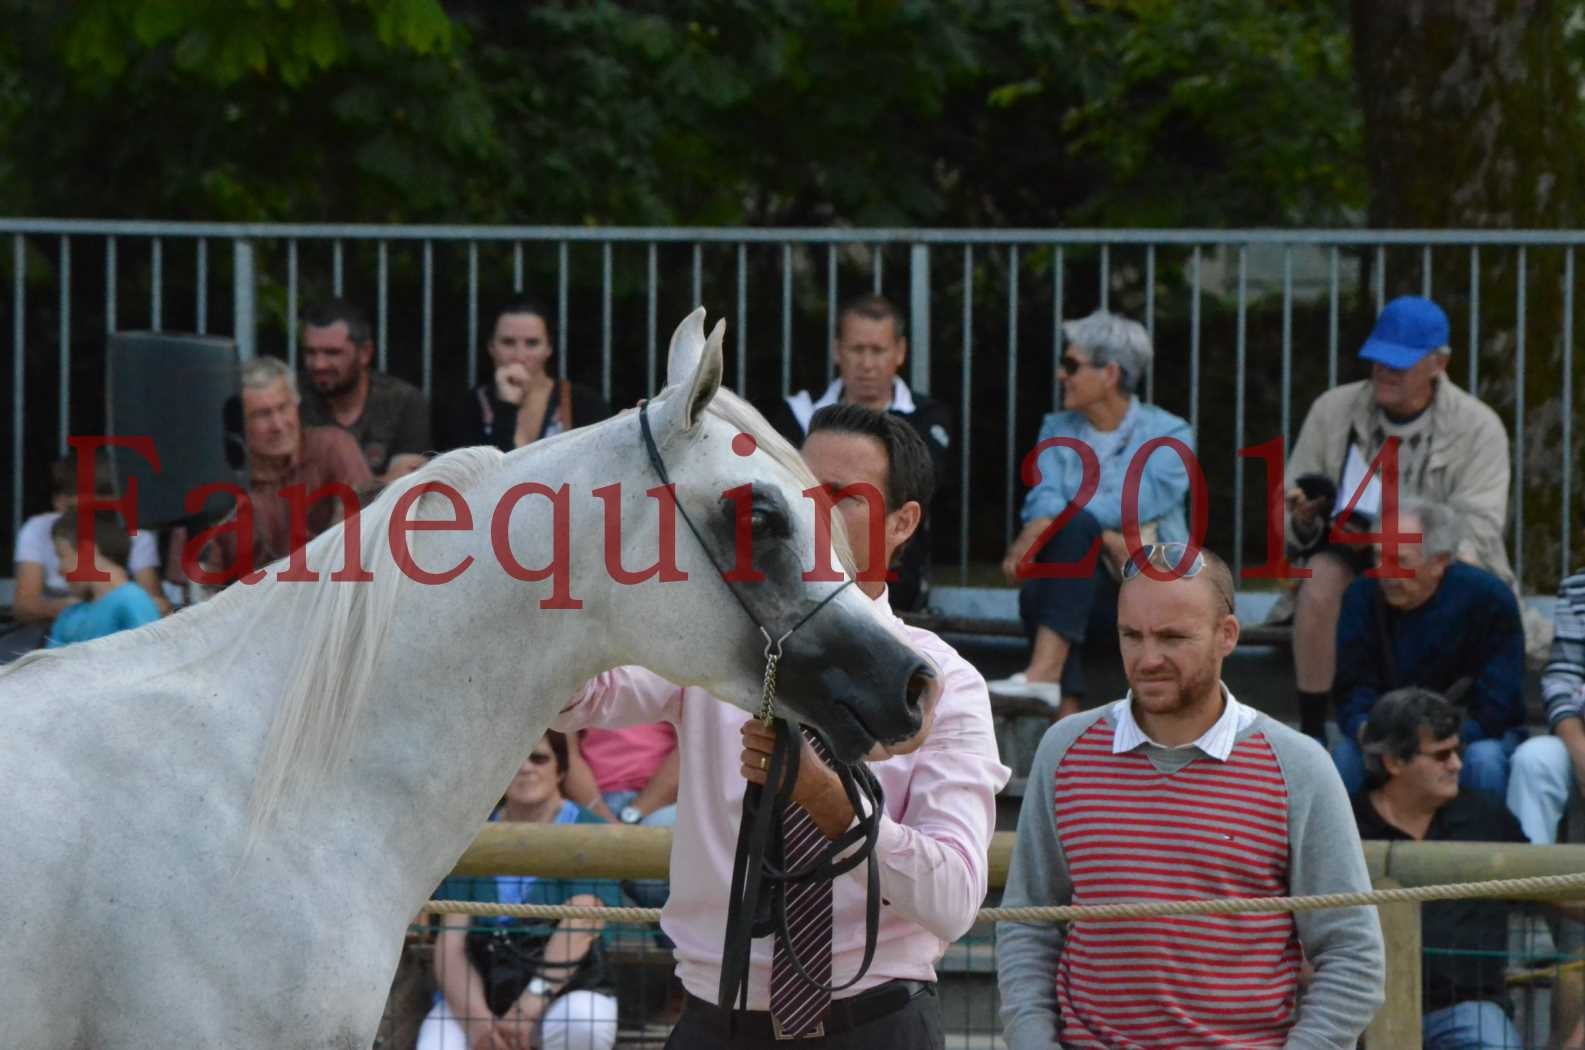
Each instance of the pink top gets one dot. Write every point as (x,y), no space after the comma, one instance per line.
(940,813)
(626,759)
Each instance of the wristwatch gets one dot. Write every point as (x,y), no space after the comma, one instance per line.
(630,815)
(539,986)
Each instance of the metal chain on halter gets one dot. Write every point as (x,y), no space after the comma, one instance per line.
(757,864)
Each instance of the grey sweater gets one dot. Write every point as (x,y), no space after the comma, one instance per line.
(1343,945)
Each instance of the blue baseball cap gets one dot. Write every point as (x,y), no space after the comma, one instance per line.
(1409,328)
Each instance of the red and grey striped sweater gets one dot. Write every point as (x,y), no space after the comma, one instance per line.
(1156,824)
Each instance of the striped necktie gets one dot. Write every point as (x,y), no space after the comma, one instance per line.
(798,1009)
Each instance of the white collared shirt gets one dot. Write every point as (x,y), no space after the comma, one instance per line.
(1217,741)
(803,406)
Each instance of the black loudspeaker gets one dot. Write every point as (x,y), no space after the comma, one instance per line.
(184,392)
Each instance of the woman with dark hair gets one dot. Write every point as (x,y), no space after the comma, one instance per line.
(521,402)
(512,984)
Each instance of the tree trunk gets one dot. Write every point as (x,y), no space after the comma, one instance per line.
(1472,120)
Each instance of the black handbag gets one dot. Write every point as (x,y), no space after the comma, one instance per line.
(508,955)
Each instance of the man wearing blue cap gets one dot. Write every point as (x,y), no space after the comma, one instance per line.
(1452,450)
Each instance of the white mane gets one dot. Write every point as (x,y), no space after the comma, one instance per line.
(343,630)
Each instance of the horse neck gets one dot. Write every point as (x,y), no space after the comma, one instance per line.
(473,672)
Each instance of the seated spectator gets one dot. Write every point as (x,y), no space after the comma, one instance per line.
(385,416)
(1411,744)
(515,983)
(1105,360)
(103,606)
(41,592)
(1448,627)
(521,403)
(871,346)
(628,776)
(1548,771)
(282,453)
(1452,449)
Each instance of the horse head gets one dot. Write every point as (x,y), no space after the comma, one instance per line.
(749,545)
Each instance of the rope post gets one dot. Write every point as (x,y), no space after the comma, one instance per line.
(1397,1023)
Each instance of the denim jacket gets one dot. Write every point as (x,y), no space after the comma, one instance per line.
(1162,486)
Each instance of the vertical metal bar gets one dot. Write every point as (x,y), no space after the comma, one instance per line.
(1331,322)
(698,275)
(1194,343)
(1056,328)
(561,310)
(742,319)
(1287,344)
(605,321)
(786,318)
(831,312)
(965,410)
(1425,271)
(473,313)
(1474,319)
(1150,319)
(383,294)
(919,316)
(202,320)
(1518,423)
(291,306)
(880,261)
(517,267)
(110,285)
(244,299)
(1381,276)
(65,410)
(18,375)
(1012,390)
(654,288)
(336,284)
(1238,412)
(1106,276)
(156,285)
(1567,523)
(429,314)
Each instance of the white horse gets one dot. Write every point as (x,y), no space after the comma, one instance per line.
(216,828)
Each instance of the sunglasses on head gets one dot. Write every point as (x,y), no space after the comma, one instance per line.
(1168,556)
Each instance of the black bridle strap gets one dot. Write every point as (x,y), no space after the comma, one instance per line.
(750,911)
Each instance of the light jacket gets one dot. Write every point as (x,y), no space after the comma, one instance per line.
(1162,485)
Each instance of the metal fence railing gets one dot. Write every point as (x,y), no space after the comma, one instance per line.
(1250,325)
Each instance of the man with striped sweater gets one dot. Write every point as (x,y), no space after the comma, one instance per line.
(1180,792)
(1549,770)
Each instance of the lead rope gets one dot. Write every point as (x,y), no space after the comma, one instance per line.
(751,912)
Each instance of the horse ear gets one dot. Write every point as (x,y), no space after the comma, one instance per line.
(693,369)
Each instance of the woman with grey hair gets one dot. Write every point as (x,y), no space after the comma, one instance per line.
(1104,423)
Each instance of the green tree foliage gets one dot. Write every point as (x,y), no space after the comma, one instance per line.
(849,112)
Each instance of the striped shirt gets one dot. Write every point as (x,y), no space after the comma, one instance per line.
(1210,829)
(1150,823)
(1563,680)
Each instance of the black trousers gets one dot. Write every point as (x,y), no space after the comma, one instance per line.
(915,1025)
(1082,610)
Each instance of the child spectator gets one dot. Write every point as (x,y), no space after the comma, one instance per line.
(113,603)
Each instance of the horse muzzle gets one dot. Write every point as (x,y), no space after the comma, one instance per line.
(860,687)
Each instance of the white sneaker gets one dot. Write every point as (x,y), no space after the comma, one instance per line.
(1018,685)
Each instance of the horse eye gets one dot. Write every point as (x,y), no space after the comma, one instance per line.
(759,521)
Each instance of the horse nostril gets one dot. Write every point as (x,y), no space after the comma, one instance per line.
(918,682)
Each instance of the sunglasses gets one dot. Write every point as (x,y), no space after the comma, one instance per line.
(1168,556)
(541,758)
(1442,754)
(1070,364)
(1170,559)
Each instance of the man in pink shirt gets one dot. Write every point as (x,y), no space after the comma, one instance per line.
(940,792)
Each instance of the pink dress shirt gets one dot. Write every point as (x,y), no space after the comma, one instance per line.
(940,813)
